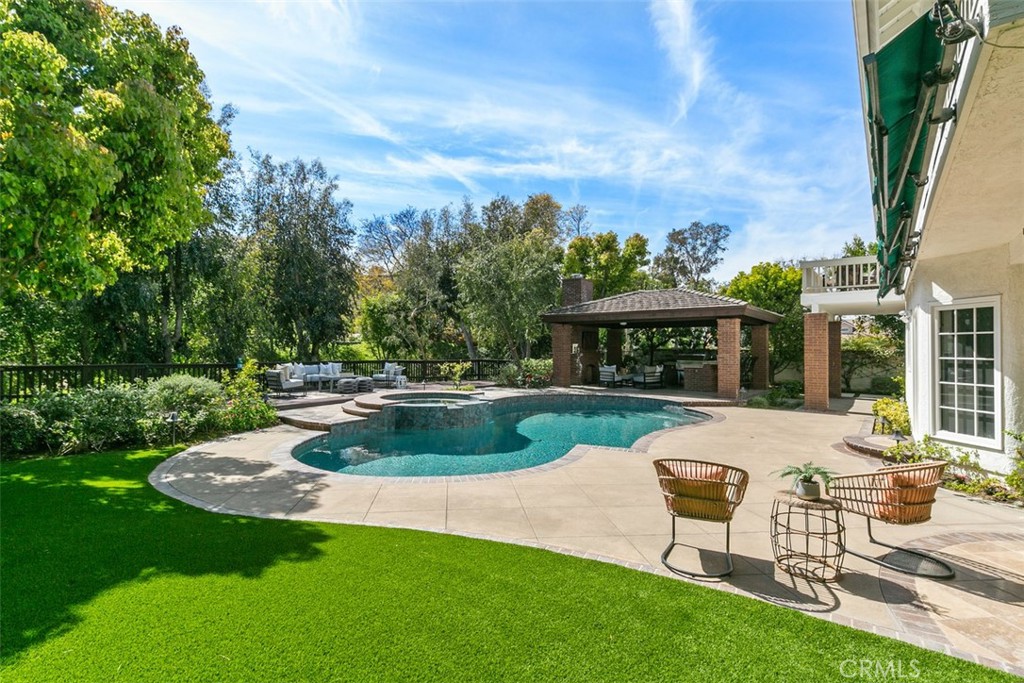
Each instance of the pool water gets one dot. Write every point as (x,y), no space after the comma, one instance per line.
(508,442)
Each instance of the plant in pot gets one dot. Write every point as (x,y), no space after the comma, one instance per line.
(805,486)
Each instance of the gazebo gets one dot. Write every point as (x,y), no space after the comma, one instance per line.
(574,329)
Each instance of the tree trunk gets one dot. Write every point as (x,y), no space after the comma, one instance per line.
(171,296)
(467,335)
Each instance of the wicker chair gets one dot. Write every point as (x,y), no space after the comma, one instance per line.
(898,494)
(704,491)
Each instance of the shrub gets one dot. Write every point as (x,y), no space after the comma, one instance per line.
(21,430)
(110,416)
(782,395)
(886,386)
(533,373)
(91,419)
(1015,479)
(865,351)
(455,371)
(198,401)
(894,415)
(758,402)
(246,408)
(62,426)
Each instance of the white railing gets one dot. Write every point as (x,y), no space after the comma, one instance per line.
(840,275)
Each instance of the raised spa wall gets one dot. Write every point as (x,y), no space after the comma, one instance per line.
(460,412)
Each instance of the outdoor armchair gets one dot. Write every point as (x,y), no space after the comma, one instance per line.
(897,494)
(651,376)
(702,491)
(609,375)
(278,383)
(390,374)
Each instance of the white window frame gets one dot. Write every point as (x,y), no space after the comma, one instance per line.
(996,441)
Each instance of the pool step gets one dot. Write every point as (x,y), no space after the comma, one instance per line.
(352,408)
(369,402)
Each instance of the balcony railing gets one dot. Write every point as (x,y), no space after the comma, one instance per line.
(856,273)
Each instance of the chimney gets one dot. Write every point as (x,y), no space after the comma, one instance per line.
(576,289)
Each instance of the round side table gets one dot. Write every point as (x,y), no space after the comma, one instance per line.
(808,536)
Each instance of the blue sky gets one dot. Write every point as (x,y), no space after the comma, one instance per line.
(651,114)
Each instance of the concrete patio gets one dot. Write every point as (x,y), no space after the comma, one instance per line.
(605,504)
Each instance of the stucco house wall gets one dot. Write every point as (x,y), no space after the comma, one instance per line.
(981,275)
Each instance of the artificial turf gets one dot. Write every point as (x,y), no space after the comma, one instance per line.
(103,578)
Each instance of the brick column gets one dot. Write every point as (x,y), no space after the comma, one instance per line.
(759,350)
(835,358)
(729,358)
(613,355)
(561,354)
(816,365)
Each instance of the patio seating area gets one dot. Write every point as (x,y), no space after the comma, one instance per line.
(606,504)
(293,378)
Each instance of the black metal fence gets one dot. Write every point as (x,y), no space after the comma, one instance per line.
(21,382)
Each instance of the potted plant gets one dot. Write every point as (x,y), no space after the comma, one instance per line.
(804,484)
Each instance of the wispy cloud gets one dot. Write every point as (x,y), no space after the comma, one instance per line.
(687,48)
(410,106)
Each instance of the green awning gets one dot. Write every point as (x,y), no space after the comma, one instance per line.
(901,79)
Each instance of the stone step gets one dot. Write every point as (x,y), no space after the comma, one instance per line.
(368,402)
(354,409)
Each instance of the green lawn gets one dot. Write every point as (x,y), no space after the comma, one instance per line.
(105,579)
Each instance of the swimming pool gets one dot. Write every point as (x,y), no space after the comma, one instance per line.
(516,437)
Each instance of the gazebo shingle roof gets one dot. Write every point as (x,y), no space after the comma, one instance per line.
(660,308)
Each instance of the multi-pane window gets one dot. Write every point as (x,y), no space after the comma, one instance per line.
(967,371)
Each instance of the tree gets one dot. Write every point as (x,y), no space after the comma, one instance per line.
(382,240)
(858,247)
(542,212)
(863,351)
(107,145)
(303,240)
(381,319)
(506,285)
(614,270)
(574,221)
(775,287)
(691,254)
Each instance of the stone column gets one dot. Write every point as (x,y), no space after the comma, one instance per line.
(759,350)
(729,358)
(816,361)
(614,352)
(835,358)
